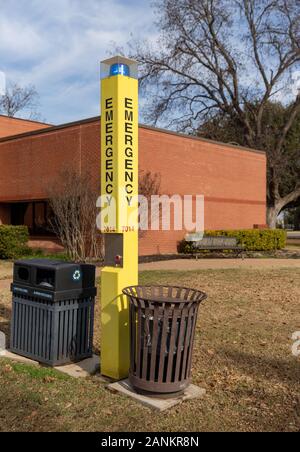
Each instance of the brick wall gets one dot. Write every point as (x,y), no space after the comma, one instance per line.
(14,126)
(233,180)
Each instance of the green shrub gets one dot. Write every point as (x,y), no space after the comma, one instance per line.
(251,239)
(13,241)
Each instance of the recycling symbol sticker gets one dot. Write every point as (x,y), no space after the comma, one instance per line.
(76,275)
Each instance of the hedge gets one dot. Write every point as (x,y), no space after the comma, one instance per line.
(13,241)
(251,239)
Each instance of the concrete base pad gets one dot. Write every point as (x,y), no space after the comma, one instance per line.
(81,369)
(20,359)
(124,387)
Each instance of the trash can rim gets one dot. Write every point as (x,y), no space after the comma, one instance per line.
(162,299)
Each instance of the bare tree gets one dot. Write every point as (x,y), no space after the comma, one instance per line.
(287,167)
(73,201)
(17,99)
(149,185)
(228,57)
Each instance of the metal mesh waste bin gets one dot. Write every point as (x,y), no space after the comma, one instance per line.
(162,327)
(53,311)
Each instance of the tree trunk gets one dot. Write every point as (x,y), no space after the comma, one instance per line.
(272,215)
(279,205)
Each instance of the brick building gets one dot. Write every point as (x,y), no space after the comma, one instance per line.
(14,126)
(232,178)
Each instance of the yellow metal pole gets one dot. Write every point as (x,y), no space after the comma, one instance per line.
(119,190)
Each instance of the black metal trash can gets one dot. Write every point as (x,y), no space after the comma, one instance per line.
(53,311)
(162,327)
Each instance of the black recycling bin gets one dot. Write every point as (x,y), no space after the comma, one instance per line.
(162,328)
(53,310)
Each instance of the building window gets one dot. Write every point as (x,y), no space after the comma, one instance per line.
(35,215)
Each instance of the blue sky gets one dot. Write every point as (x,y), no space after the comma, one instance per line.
(57,46)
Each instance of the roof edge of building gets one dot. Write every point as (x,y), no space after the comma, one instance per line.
(52,128)
(206,140)
(49,129)
(26,120)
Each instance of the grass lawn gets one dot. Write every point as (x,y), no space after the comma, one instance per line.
(242,357)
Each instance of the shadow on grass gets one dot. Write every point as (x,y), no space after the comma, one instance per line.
(282,370)
(24,406)
(271,399)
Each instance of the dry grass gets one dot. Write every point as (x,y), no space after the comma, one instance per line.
(242,357)
(6,269)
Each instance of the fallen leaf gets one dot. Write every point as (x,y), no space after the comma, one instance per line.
(49,379)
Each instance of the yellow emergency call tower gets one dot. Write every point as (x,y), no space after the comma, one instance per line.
(119,208)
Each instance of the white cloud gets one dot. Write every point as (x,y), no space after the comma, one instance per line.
(2,83)
(57,46)
(18,41)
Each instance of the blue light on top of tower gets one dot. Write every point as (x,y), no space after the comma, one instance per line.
(119,69)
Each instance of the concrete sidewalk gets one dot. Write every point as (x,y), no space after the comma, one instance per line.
(293,235)
(214,264)
(199,264)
